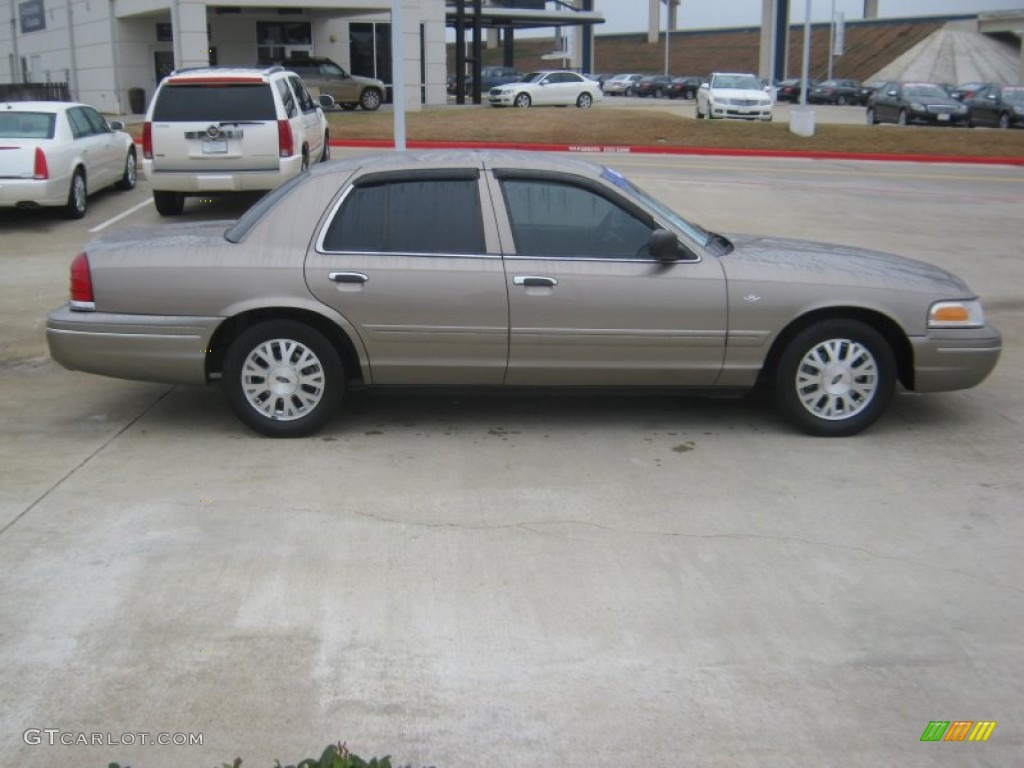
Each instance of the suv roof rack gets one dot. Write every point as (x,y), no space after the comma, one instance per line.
(265,69)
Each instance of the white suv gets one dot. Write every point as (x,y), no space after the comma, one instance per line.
(237,129)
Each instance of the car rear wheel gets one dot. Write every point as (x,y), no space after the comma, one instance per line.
(835,378)
(131,173)
(283,378)
(370,100)
(77,196)
(1004,120)
(841,100)
(168,203)
(872,118)
(521,100)
(584,101)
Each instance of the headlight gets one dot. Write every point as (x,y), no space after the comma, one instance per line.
(918,107)
(961,109)
(956,314)
(1019,110)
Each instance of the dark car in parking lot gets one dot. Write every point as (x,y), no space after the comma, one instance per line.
(685,87)
(837,91)
(998,105)
(790,89)
(967,90)
(653,85)
(906,103)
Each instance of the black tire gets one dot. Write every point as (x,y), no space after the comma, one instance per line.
(700,116)
(370,100)
(835,378)
(325,153)
(78,194)
(307,373)
(169,203)
(1004,121)
(872,118)
(131,172)
(902,118)
(841,100)
(584,101)
(522,100)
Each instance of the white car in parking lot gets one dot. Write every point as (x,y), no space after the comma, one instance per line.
(733,95)
(55,153)
(556,88)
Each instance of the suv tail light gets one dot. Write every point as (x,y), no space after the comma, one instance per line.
(147,140)
(82,297)
(285,140)
(40,170)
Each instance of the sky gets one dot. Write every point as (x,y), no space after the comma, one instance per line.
(631,15)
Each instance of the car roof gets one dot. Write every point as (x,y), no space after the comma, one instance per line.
(223,74)
(39,106)
(429,159)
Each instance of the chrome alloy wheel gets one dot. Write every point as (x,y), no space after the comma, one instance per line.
(837,379)
(283,379)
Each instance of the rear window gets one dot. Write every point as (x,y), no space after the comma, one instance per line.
(27,125)
(224,102)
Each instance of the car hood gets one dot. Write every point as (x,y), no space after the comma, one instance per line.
(738,93)
(769,258)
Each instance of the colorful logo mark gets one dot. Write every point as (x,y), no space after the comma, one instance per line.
(958,730)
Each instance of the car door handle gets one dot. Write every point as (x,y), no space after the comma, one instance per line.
(347,277)
(535,281)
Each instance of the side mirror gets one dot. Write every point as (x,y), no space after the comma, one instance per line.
(992,96)
(704,85)
(663,245)
(116,125)
(326,100)
(893,93)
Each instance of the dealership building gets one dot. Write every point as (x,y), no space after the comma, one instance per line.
(112,53)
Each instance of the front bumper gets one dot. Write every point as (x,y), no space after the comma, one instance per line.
(169,350)
(723,111)
(938,118)
(947,360)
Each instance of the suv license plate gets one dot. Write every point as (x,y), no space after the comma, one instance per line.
(215,146)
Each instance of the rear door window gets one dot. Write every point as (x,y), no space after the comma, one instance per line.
(80,127)
(225,102)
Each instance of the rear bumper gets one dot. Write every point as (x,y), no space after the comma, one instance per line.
(27,193)
(157,348)
(222,181)
(950,360)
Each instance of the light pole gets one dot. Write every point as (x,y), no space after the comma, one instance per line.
(668,13)
(831,38)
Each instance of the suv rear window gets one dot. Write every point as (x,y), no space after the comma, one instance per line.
(223,102)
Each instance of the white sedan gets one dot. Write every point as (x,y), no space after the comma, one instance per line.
(55,153)
(730,94)
(556,88)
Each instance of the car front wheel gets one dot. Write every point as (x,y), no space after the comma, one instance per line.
(370,100)
(131,174)
(835,378)
(902,118)
(584,101)
(77,196)
(872,118)
(521,100)
(1004,120)
(325,153)
(283,378)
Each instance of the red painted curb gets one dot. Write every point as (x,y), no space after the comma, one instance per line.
(706,151)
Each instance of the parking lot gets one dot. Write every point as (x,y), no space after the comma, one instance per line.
(463,579)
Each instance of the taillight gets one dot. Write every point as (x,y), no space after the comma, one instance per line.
(40,170)
(147,140)
(285,141)
(81,284)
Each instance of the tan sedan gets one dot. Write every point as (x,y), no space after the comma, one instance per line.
(517,269)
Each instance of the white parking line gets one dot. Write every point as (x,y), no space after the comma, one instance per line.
(120,216)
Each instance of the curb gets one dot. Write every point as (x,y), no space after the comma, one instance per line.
(698,151)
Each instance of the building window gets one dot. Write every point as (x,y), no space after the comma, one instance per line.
(280,40)
(370,50)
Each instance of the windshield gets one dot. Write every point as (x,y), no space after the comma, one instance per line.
(699,235)
(533,77)
(740,82)
(925,91)
(26,125)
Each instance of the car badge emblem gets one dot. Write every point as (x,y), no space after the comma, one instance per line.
(751,297)
(213,131)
